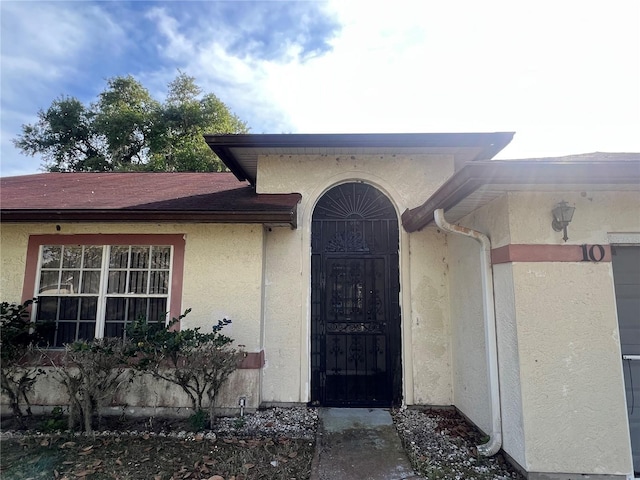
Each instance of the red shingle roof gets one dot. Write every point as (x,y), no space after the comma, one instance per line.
(187,197)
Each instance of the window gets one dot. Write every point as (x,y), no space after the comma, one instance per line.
(92,291)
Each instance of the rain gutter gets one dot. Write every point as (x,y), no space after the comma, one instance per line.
(495,440)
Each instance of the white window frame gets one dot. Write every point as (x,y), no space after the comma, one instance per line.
(103,294)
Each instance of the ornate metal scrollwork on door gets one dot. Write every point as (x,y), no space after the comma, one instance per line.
(355,331)
(347,242)
(358,327)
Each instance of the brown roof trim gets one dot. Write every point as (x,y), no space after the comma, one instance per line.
(359,140)
(288,216)
(224,153)
(491,143)
(514,172)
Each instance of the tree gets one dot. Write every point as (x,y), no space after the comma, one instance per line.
(182,121)
(65,136)
(124,118)
(127,129)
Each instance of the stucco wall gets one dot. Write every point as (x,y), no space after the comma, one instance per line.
(407,181)
(470,381)
(567,333)
(470,384)
(283,325)
(597,213)
(222,277)
(562,391)
(572,388)
(430,319)
(509,363)
(493,220)
(146,396)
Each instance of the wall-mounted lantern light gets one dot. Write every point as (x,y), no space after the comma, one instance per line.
(562,215)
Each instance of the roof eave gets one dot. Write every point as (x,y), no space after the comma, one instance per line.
(512,172)
(222,144)
(275,217)
(228,158)
(342,140)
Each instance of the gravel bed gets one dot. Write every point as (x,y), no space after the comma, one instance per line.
(442,445)
(294,422)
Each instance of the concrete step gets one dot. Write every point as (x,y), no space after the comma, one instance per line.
(359,443)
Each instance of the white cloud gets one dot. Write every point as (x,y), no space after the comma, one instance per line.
(47,50)
(468,66)
(237,81)
(564,75)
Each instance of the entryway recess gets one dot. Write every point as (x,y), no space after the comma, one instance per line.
(355,292)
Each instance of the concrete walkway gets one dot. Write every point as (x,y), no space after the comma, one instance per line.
(359,443)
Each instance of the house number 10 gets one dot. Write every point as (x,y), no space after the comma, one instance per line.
(592,253)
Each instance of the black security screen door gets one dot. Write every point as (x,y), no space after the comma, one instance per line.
(355,325)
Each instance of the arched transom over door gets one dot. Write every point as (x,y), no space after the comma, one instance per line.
(355,310)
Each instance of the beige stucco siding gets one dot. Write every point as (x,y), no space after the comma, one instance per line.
(407,181)
(470,380)
(222,279)
(568,346)
(430,319)
(562,391)
(509,363)
(494,220)
(283,320)
(572,387)
(414,177)
(148,396)
(13,256)
(222,272)
(470,385)
(597,213)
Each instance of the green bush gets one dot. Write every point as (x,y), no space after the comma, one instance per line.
(18,358)
(199,420)
(55,422)
(199,363)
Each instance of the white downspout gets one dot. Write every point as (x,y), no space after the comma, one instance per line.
(495,441)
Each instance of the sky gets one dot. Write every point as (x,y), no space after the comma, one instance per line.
(564,75)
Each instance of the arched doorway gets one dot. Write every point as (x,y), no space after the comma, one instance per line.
(355,309)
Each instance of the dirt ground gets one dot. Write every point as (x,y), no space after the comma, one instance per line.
(166,450)
(271,444)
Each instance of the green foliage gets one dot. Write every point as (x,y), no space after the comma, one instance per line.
(198,420)
(19,364)
(239,422)
(127,129)
(125,118)
(17,333)
(199,363)
(155,340)
(55,422)
(65,136)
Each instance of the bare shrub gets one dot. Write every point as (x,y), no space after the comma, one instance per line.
(91,373)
